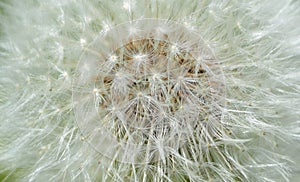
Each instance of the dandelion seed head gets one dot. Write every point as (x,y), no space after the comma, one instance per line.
(162,91)
(152,83)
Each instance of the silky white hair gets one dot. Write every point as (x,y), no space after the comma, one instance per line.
(246,127)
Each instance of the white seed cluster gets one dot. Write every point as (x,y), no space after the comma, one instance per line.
(149,90)
(146,80)
(153,97)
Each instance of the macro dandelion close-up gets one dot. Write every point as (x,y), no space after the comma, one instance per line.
(150,90)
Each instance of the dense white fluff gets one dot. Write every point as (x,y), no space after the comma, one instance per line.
(70,70)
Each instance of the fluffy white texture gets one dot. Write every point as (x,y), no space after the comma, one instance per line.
(257,44)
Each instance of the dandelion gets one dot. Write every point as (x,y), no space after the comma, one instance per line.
(149,91)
